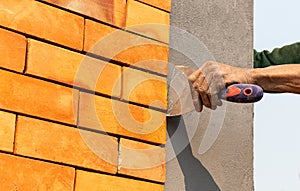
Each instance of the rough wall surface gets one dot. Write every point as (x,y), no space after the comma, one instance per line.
(225,28)
(76,117)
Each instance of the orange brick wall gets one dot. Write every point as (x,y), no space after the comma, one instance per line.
(83,94)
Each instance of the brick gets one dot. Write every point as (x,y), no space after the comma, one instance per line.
(72,68)
(68,145)
(43,21)
(126,47)
(7,131)
(152,57)
(144,88)
(120,11)
(12,50)
(112,116)
(148,21)
(165,4)
(109,11)
(94,33)
(142,160)
(38,98)
(100,182)
(17,173)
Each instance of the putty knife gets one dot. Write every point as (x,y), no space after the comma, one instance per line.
(180,90)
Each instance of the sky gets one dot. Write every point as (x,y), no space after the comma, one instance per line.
(276,125)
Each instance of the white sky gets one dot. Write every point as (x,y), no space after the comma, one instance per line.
(277,129)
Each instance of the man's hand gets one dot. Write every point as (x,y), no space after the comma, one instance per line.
(213,77)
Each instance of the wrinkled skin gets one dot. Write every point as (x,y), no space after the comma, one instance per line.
(213,77)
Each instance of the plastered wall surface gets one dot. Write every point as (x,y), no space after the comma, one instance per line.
(225,28)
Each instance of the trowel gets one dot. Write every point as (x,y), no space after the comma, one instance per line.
(181,90)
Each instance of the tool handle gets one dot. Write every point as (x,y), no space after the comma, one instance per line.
(242,93)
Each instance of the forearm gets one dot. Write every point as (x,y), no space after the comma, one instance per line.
(281,79)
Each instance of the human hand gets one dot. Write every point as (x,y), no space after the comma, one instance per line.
(213,77)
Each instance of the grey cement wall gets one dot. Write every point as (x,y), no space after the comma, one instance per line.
(225,27)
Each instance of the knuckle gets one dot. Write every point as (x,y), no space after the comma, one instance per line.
(192,77)
(202,90)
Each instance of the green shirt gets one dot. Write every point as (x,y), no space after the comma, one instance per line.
(289,54)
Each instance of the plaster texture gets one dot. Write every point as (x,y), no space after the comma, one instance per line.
(225,27)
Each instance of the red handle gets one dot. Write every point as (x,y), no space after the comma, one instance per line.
(242,93)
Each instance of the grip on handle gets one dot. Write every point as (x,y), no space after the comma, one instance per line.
(242,93)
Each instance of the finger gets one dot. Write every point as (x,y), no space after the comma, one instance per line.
(196,99)
(216,90)
(194,76)
(205,100)
(215,101)
(199,82)
(205,94)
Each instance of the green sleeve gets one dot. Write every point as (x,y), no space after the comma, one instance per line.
(289,54)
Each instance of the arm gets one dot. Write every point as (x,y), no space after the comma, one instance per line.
(282,79)
(213,77)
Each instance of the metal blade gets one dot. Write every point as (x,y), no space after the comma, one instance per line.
(213,129)
(181,103)
(180,97)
